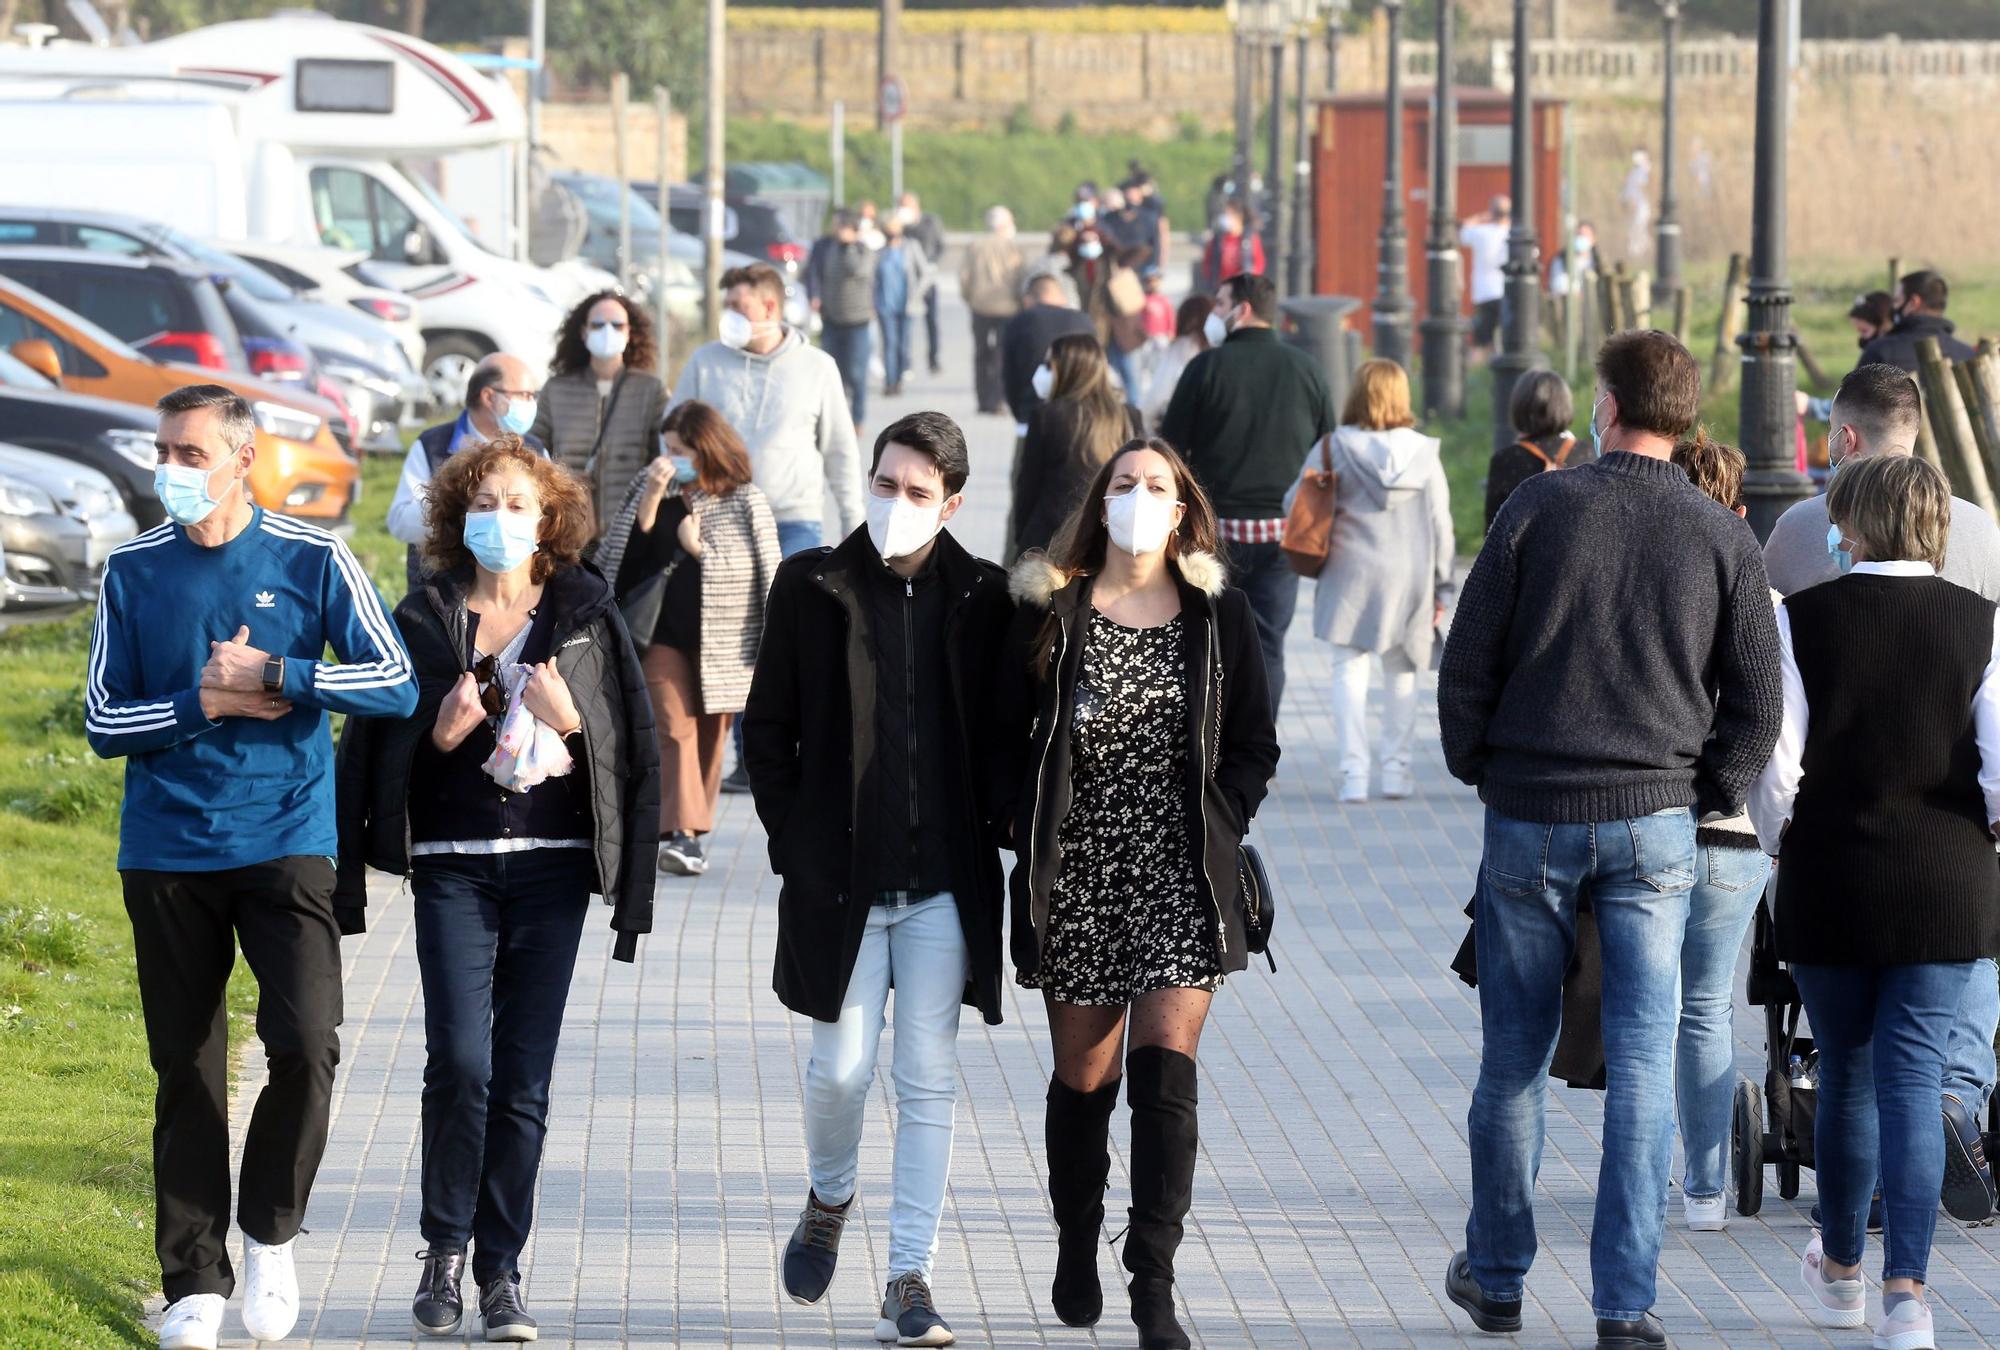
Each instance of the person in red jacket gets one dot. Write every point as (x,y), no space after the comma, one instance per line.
(1233,248)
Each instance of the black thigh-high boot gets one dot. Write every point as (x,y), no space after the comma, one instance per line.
(1078,1135)
(1160,1085)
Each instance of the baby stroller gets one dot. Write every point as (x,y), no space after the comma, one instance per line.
(1791,1076)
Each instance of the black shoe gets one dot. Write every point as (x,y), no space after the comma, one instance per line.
(439,1307)
(1641,1333)
(813,1252)
(501,1309)
(908,1317)
(1874,1214)
(1488,1314)
(1077,1132)
(737,781)
(681,855)
(1160,1085)
(1968,1182)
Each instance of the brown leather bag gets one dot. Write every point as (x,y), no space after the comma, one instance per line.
(1309,526)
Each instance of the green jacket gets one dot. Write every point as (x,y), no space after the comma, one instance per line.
(1244,414)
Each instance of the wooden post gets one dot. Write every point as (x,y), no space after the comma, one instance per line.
(1607,302)
(1722,367)
(1951,427)
(1982,431)
(1682,304)
(662,323)
(1895,274)
(1814,371)
(1927,449)
(1635,295)
(1984,372)
(621,86)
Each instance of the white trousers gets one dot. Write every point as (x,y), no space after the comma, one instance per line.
(920,949)
(1351,668)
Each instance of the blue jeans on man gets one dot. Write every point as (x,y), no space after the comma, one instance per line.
(1728,883)
(895,347)
(1638,874)
(849,344)
(1968,1056)
(1272,588)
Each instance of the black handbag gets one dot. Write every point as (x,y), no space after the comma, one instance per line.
(1259,901)
(641,605)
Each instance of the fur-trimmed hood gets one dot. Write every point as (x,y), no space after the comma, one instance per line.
(1035,578)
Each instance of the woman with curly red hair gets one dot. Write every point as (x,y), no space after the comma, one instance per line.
(526,781)
(601,406)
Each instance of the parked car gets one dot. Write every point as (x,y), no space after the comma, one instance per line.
(115,439)
(300,468)
(598,195)
(749,224)
(59,521)
(335,276)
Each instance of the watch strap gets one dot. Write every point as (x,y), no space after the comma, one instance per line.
(274,674)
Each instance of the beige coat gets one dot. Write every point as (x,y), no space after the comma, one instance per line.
(990,277)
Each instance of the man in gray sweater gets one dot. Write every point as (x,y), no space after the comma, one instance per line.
(1876,412)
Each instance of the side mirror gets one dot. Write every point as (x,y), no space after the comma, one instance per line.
(416,245)
(38,355)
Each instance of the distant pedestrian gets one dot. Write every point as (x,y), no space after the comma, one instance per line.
(503,847)
(1484,239)
(1636,196)
(902,273)
(1081,423)
(1611,674)
(1919,303)
(694,549)
(1135,677)
(925,230)
(600,409)
(1872,314)
(1233,248)
(1583,249)
(208,676)
(1881,802)
(1389,574)
(878,796)
(1244,414)
(1144,193)
(989,280)
(1117,307)
(1189,341)
(847,311)
(1541,412)
(1046,314)
(1157,318)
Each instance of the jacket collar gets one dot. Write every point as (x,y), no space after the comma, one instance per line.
(1036,580)
(578,594)
(1262,333)
(845,562)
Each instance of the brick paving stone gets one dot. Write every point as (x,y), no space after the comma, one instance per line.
(1332,1184)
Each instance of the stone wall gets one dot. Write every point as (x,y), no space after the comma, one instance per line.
(583,136)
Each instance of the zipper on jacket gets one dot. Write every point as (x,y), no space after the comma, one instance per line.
(1042,768)
(910,710)
(1208,717)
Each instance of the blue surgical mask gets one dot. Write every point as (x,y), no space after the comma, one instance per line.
(520,415)
(683,469)
(183,491)
(501,540)
(1842,558)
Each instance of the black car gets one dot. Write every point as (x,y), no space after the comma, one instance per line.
(749,224)
(167,309)
(116,439)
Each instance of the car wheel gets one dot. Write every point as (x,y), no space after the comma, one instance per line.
(448,363)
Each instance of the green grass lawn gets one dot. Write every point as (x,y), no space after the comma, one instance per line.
(76,1092)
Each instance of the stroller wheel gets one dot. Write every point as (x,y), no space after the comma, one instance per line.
(1788,1180)
(1746,1147)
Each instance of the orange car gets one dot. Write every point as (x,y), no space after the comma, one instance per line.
(300,469)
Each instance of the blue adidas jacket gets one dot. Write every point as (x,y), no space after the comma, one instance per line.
(201,795)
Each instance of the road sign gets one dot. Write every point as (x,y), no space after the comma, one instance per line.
(895,100)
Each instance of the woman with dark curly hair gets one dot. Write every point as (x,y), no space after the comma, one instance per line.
(602,404)
(527,780)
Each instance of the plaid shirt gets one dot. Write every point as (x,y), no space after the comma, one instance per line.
(1252,531)
(904,899)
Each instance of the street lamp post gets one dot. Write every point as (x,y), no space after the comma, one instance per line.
(1239,163)
(1443,327)
(1520,311)
(1392,270)
(1667,248)
(1274,158)
(1767,415)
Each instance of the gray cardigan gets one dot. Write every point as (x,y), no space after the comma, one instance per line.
(567,423)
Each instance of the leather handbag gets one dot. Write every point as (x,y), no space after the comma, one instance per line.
(1259,901)
(1308,541)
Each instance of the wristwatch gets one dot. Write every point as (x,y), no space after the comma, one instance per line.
(274,674)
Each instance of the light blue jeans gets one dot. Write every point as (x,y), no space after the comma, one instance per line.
(1638,874)
(920,949)
(1968,1055)
(1728,882)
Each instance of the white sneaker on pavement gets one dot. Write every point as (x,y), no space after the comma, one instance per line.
(1354,789)
(1397,784)
(1705,1213)
(1907,1328)
(192,1323)
(270,1290)
(1835,1303)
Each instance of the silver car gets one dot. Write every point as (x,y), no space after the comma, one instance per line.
(59,521)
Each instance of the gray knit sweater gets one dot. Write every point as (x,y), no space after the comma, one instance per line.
(1614,651)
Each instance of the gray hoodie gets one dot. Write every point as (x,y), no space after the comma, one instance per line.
(792,414)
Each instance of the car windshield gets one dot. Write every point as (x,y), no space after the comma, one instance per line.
(19,375)
(253,279)
(77,324)
(439,204)
(600,197)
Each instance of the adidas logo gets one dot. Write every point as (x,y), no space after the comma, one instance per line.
(266,600)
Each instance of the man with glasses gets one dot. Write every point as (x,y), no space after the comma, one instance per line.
(500,397)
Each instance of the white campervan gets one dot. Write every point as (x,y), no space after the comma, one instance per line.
(302,129)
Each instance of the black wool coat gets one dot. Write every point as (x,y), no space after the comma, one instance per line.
(1231,734)
(619,758)
(808,743)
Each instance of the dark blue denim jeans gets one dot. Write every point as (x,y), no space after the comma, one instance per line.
(1881,1033)
(849,344)
(1638,874)
(895,347)
(1272,587)
(496,943)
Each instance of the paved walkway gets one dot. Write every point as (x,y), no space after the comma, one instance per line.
(1332,1183)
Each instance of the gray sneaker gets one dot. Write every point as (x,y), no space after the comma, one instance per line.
(814,1250)
(908,1318)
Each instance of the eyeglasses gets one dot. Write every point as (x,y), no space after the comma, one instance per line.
(619,324)
(486,670)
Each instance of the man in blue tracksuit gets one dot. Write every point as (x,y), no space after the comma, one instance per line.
(207,674)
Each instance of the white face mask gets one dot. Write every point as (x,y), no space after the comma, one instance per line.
(1044,382)
(1138,521)
(736,329)
(606,341)
(1215,328)
(899,527)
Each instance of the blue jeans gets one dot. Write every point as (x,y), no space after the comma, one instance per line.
(1121,366)
(1727,883)
(849,344)
(895,347)
(1968,1055)
(1881,1033)
(1272,587)
(1638,874)
(496,945)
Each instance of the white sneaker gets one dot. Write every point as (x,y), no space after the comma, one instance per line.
(270,1290)
(1397,784)
(192,1323)
(1836,1303)
(1907,1328)
(1705,1213)
(1354,789)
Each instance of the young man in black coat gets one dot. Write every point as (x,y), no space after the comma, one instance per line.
(869,741)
